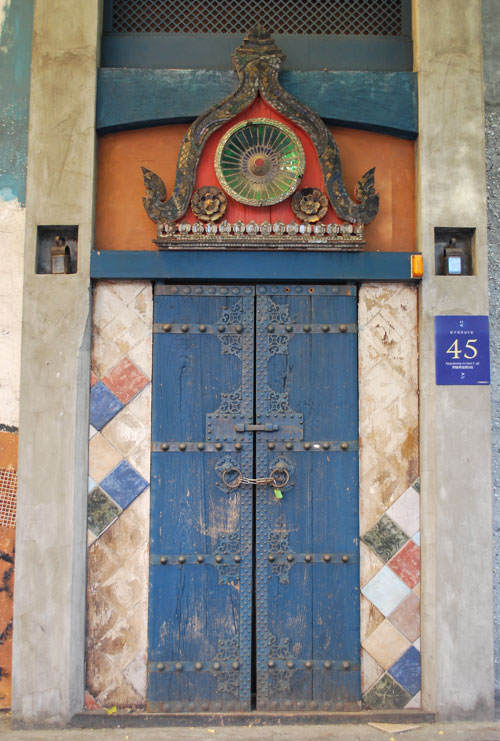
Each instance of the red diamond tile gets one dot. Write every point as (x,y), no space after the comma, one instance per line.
(406,564)
(93,379)
(125,380)
(91,703)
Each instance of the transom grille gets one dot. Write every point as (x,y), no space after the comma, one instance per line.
(309,17)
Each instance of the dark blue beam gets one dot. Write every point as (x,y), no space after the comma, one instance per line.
(186,265)
(377,101)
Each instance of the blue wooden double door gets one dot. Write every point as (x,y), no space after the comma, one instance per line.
(254,554)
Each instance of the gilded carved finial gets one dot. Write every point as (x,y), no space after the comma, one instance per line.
(257,43)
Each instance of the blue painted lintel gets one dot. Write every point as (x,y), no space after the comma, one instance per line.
(377,101)
(188,265)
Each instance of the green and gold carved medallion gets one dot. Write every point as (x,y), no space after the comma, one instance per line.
(259,162)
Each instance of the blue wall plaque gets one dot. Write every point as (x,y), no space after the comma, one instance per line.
(462,350)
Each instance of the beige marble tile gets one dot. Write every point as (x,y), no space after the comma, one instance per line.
(140,458)
(126,331)
(125,432)
(370,671)
(142,356)
(127,290)
(140,407)
(406,617)
(143,304)
(140,510)
(388,397)
(103,457)
(106,304)
(122,589)
(117,608)
(386,644)
(406,512)
(370,564)
(371,618)
(105,353)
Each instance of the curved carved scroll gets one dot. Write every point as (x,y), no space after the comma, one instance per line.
(258,61)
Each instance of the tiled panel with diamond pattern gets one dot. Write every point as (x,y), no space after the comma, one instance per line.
(389,496)
(118,503)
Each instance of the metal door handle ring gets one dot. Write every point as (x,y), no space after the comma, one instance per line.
(235,482)
(283,474)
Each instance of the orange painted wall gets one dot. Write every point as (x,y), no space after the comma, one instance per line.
(122,223)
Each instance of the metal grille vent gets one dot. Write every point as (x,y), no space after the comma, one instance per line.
(333,17)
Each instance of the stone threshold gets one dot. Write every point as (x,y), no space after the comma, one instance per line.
(97,719)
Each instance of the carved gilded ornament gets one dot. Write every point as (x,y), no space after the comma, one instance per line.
(209,203)
(309,204)
(258,61)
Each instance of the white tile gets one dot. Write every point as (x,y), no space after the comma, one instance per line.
(92,431)
(135,673)
(415,702)
(406,511)
(417,644)
(386,591)
(416,538)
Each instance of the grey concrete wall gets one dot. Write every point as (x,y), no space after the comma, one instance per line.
(491,53)
(457,625)
(49,603)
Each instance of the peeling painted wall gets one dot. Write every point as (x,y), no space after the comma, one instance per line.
(16,28)
(16,23)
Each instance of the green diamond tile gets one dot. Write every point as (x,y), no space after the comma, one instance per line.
(101,510)
(385,538)
(386,694)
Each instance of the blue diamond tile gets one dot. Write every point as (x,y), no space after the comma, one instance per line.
(406,670)
(103,405)
(124,484)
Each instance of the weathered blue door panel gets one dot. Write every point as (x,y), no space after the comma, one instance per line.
(297,384)
(307,599)
(201,543)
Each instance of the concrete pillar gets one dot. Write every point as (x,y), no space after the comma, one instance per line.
(457,629)
(49,609)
